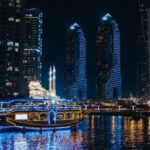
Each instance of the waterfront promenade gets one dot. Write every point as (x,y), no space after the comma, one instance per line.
(119,112)
(90,111)
(93,108)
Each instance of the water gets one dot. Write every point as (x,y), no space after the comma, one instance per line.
(93,133)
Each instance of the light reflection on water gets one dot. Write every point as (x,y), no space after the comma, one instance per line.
(93,133)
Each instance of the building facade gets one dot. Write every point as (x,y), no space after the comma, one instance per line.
(11,48)
(75,64)
(143,53)
(148,32)
(33,45)
(108,69)
(36,91)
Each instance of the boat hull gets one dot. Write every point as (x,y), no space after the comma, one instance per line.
(26,126)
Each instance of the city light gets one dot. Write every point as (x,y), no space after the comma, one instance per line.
(94,54)
(106,17)
(75,25)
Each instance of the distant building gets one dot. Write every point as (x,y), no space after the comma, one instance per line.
(108,69)
(11,48)
(36,91)
(32,45)
(143,54)
(148,31)
(75,64)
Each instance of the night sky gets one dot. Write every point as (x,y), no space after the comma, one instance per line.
(60,14)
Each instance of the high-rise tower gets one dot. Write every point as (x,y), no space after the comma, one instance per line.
(11,48)
(108,76)
(75,64)
(148,32)
(33,45)
(143,53)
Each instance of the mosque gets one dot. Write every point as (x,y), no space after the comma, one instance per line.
(36,91)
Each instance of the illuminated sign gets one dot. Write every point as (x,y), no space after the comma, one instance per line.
(21,117)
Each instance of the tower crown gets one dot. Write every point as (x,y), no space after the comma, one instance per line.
(106,17)
(75,25)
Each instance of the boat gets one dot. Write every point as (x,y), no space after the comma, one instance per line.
(40,117)
(42,126)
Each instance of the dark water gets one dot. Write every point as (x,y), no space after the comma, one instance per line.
(93,133)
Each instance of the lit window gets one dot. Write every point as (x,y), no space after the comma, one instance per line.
(25,61)
(9,68)
(26,77)
(11,3)
(11,19)
(8,84)
(18,20)
(18,1)
(16,69)
(29,15)
(9,49)
(16,94)
(17,44)
(16,49)
(10,43)
(2,42)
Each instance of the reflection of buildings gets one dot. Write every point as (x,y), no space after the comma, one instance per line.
(117,132)
(75,65)
(107,130)
(109,82)
(135,130)
(36,91)
(32,45)
(143,60)
(11,47)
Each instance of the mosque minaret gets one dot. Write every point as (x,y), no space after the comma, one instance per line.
(52,81)
(38,92)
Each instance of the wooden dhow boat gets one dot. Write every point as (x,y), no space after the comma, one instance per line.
(40,117)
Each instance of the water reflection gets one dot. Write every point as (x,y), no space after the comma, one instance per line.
(93,133)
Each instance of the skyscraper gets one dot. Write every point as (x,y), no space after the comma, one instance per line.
(143,54)
(33,45)
(148,31)
(11,47)
(75,64)
(108,69)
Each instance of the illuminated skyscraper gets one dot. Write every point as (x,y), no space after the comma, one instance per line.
(11,47)
(75,64)
(148,31)
(33,45)
(108,76)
